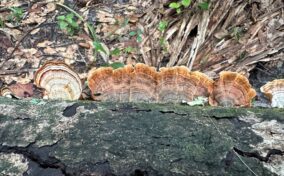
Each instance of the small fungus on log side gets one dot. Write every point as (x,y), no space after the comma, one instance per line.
(59,81)
(274,90)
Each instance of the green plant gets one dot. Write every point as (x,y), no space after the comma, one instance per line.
(203,5)
(125,22)
(1,23)
(97,46)
(16,14)
(115,52)
(90,27)
(68,23)
(242,55)
(162,43)
(138,33)
(237,32)
(178,5)
(118,52)
(116,65)
(163,25)
(129,49)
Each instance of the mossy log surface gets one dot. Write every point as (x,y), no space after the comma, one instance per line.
(40,137)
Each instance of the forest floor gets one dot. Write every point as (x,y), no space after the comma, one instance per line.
(85,34)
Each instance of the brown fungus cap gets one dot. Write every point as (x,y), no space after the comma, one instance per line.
(142,83)
(232,89)
(178,84)
(274,90)
(59,81)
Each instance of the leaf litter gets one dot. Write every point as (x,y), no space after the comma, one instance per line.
(208,37)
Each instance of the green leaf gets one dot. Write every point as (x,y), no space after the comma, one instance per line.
(162,41)
(98,46)
(186,3)
(74,25)
(16,10)
(115,52)
(203,5)
(178,10)
(63,25)
(70,31)
(70,16)
(128,49)
(163,25)
(13,9)
(61,18)
(174,5)
(116,65)
(139,38)
(92,31)
(132,33)
(1,23)
(69,20)
(16,14)
(125,22)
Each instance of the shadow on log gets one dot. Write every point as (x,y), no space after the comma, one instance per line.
(88,138)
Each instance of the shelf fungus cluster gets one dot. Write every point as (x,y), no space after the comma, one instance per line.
(59,81)
(142,83)
(274,90)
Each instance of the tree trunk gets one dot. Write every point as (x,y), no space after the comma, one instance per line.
(88,138)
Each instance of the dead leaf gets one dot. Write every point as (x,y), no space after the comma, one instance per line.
(50,7)
(22,90)
(49,50)
(15,33)
(5,41)
(35,31)
(85,45)
(44,44)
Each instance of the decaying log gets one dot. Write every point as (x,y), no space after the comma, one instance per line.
(40,137)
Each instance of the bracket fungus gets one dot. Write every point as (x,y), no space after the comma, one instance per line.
(142,83)
(100,81)
(59,81)
(6,92)
(136,84)
(232,89)
(274,90)
(177,84)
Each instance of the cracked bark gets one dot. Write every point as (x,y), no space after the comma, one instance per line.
(256,154)
(90,138)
